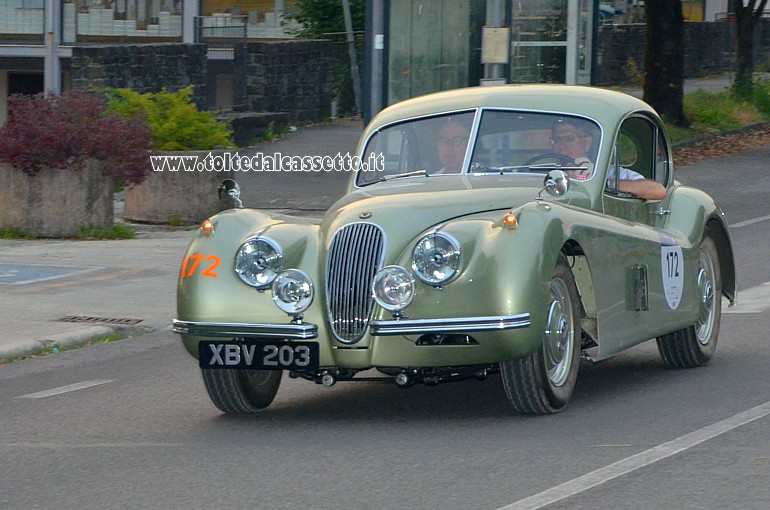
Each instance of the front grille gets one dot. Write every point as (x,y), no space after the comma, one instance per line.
(355,255)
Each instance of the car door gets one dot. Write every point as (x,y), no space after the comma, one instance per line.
(642,275)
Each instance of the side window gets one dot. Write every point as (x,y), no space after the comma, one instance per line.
(635,153)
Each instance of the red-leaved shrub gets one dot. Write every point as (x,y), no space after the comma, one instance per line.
(49,132)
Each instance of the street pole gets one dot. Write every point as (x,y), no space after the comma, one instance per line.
(375,35)
(51,62)
(495,18)
(352,52)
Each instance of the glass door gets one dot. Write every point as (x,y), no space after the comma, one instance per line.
(551,41)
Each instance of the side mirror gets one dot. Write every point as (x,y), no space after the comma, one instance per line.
(556,183)
(229,194)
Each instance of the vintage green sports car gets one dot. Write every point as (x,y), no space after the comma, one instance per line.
(488,230)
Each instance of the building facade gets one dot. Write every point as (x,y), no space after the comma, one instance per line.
(49,44)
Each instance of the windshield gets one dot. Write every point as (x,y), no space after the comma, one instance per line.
(503,142)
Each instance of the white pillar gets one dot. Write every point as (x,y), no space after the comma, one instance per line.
(190,9)
(573,13)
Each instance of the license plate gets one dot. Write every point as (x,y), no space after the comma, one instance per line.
(259,355)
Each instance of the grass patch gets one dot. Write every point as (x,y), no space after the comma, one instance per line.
(712,113)
(15,233)
(175,220)
(119,231)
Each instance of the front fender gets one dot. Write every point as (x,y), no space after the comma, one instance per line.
(209,290)
(505,272)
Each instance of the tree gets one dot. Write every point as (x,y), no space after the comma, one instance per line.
(323,19)
(747,14)
(664,59)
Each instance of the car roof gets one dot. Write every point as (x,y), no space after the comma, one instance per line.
(606,106)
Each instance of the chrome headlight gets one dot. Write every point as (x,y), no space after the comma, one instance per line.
(258,262)
(436,258)
(393,288)
(293,291)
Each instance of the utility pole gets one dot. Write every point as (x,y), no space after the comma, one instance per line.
(352,52)
(51,62)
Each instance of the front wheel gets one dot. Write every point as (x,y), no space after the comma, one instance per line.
(542,383)
(694,345)
(236,391)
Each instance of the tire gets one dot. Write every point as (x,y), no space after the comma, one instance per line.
(542,383)
(236,391)
(694,345)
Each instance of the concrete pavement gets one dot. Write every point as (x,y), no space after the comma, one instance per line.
(66,293)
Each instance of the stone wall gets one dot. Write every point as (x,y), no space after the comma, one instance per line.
(142,67)
(56,203)
(709,49)
(288,76)
(176,198)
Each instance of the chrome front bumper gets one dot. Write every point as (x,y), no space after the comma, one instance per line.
(448,326)
(307,331)
(302,331)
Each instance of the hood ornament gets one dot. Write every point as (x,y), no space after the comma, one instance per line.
(365,215)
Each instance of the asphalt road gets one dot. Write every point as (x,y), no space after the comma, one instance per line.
(138,431)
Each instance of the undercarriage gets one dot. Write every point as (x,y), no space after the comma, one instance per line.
(402,377)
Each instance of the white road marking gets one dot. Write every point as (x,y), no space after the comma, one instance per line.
(638,461)
(750,222)
(81,445)
(753,300)
(66,389)
(76,272)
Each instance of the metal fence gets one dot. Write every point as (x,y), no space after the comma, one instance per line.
(220,35)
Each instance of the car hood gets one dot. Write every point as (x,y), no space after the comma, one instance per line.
(418,203)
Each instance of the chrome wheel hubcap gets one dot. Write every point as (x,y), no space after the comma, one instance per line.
(559,334)
(706,296)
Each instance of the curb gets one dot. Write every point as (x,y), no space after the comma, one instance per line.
(74,339)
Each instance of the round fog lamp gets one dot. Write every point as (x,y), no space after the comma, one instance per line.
(393,288)
(293,291)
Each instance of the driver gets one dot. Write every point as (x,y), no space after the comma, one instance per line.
(568,138)
(451,143)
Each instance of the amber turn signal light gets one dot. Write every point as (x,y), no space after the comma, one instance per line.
(207,227)
(509,220)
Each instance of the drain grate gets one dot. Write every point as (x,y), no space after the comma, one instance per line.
(100,320)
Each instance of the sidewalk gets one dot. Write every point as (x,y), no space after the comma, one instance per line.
(131,285)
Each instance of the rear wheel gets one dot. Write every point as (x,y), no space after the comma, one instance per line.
(236,391)
(542,383)
(694,345)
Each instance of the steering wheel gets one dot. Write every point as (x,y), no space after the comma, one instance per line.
(561,159)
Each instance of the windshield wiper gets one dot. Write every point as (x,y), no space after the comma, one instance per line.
(401,176)
(478,168)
